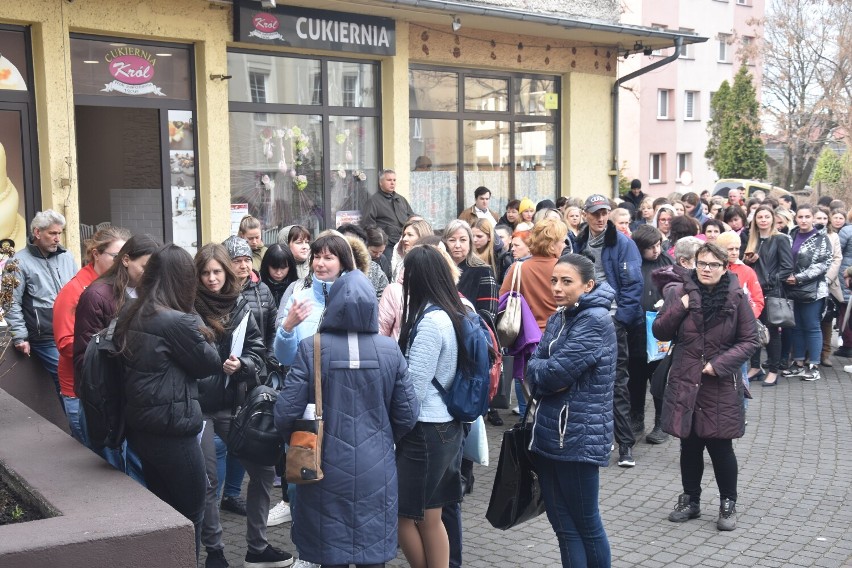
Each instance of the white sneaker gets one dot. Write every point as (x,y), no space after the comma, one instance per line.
(279,514)
(848,368)
(305,564)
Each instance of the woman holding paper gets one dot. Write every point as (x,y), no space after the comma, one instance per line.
(240,344)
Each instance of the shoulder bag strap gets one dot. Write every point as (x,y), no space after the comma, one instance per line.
(317,375)
(516,278)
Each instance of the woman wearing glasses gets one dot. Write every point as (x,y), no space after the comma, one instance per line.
(708,316)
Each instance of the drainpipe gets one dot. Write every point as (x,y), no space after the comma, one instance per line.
(678,42)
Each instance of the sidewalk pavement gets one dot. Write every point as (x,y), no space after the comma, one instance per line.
(794,506)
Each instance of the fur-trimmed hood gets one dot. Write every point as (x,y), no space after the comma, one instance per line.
(360,252)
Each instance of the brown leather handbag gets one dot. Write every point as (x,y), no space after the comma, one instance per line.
(304,456)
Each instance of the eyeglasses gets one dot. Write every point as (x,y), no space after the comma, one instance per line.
(112,254)
(711,265)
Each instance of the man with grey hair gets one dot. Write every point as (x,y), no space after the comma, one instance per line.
(684,251)
(387,210)
(44,268)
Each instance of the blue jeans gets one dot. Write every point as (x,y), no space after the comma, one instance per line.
(230,472)
(519,393)
(570,491)
(807,335)
(48,354)
(76,423)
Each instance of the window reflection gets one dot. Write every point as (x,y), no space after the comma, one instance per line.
(433,90)
(486,94)
(264,78)
(351,84)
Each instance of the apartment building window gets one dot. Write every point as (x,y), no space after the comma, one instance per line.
(684,164)
(658,27)
(746,43)
(690,105)
(724,48)
(743,2)
(656,168)
(710,105)
(687,50)
(663,102)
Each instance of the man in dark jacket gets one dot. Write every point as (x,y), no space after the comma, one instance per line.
(635,195)
(387,210)
(618,263)
(43,269)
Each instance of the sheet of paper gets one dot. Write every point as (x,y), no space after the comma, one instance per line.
(237,341)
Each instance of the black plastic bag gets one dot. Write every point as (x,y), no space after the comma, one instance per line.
(516,496)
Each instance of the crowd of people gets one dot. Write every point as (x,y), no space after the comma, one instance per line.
(599,280)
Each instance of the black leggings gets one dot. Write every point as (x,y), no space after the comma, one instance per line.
(692,466)
(640,375)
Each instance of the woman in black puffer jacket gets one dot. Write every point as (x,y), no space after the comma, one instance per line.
(223,308)
(165,351)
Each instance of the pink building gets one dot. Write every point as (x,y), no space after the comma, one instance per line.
(664,113)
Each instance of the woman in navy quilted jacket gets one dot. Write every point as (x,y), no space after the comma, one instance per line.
(369,402)
(572,375)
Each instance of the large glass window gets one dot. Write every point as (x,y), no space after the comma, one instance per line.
(19,197)
(503,137)
(435,168)
(304,138)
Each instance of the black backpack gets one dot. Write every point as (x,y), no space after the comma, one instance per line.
(101,392)
(253,435)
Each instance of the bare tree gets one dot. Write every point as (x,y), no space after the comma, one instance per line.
(801,81)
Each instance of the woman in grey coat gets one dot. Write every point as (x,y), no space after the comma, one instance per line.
(350,517)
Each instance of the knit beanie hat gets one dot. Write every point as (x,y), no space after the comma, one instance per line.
(526,203)
(237,247)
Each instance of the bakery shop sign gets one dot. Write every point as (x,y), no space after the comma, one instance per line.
(314,29)
(132,70)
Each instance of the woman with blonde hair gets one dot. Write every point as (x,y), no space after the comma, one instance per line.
(770,254)
(483,243)
(574,218)
(412,231)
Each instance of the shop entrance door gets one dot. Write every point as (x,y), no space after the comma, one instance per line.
(135,125)
(119,165)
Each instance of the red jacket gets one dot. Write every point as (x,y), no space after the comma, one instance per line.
(64,310)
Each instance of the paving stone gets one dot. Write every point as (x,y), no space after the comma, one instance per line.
(794,487)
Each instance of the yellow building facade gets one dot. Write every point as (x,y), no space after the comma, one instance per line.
(177,116)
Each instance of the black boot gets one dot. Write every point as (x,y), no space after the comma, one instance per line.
(656,436)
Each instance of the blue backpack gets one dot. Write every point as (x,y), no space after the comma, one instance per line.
(468,394)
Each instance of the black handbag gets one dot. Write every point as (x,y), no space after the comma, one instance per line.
(504,390)
(779,311)
(516,496)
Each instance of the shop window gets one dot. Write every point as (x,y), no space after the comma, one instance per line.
(19,199)
(433,90)
(487,159)
(434,169)
(504,138)
(486,94)
(535,164)
(531,96)
(313,159)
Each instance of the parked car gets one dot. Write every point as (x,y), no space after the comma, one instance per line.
(724,185)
